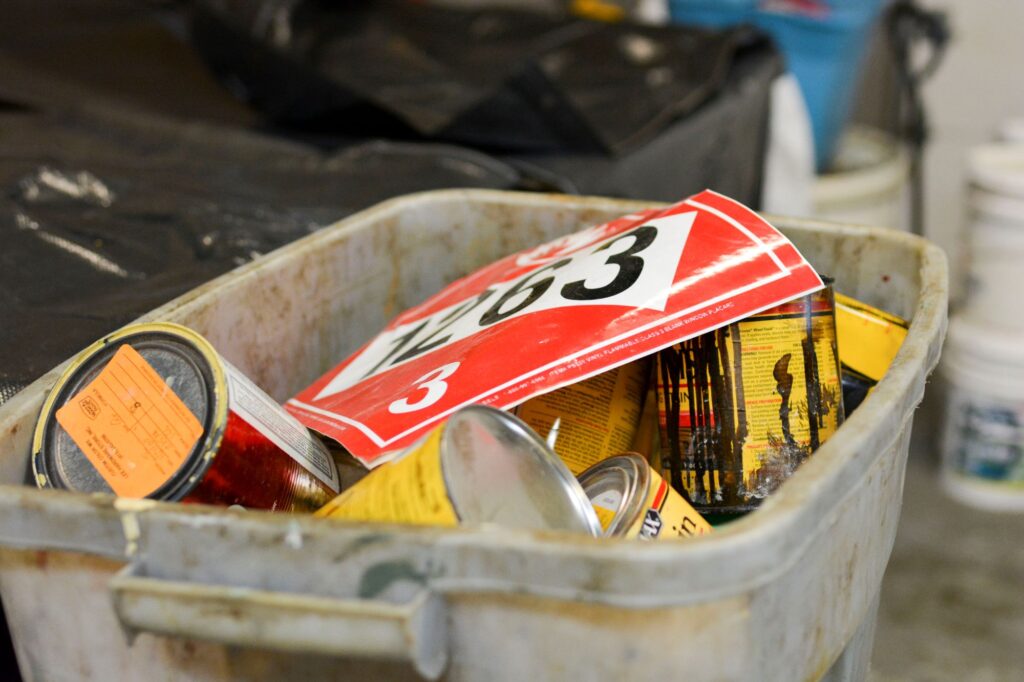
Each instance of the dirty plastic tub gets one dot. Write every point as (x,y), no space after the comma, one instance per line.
(99,589)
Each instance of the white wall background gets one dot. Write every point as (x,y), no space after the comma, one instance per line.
(980,83)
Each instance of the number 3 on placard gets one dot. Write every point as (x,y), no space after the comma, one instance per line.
(433,383)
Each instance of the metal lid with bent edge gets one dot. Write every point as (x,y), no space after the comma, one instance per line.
(620,484)
(499,471)
(189,366)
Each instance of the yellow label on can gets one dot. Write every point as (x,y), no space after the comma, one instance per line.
(869,338)
(592,420)
(754,399)
(667,514)
(410,489)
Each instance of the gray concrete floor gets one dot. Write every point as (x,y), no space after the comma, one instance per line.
(952,605)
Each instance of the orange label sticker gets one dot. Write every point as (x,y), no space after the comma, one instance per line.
(131,425)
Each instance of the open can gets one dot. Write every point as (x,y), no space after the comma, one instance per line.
(633,501)
(481,466)
(153,411)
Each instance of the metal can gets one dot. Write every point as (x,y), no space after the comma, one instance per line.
(481,466)
(869,340)
(152,411)
(593,419)
(633,501)
(741,407)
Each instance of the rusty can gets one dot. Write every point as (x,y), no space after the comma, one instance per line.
(633,501)
(593,419)
(153,411)
(742,406)
(481,466)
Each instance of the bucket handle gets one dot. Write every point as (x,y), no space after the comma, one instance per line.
(414,631)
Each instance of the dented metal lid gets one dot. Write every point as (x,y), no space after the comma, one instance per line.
(499,471)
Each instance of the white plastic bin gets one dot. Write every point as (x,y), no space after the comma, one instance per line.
(787,593)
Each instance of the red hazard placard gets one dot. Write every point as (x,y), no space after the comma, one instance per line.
(554,315)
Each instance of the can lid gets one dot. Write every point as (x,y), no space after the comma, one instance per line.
(498,470)
(185,362)
(619,483)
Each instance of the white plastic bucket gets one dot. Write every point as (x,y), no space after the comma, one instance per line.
(867,184)
(983,441)
(996,235)
(1011,130)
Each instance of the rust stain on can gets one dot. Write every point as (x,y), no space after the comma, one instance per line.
(741,407)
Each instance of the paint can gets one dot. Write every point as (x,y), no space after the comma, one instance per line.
(982,442)
(633,501)
(741,407)
(482,466)
(593,419)
(153,411)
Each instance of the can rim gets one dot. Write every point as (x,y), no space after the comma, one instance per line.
(198,460)
(557,471)
(634,473)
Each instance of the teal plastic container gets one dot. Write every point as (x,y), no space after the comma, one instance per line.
(823,42)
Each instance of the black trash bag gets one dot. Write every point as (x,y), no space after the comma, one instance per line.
(497,79)
(721,145)
(100,223)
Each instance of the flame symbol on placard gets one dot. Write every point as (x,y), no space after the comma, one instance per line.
(89,407)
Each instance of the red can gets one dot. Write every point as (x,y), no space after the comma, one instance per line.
(153,411)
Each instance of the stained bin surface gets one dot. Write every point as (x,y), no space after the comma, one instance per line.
(788,592)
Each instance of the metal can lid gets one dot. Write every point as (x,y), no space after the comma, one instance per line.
(498,470)
(188,365)
(620,484)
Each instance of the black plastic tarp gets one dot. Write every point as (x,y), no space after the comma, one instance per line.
(118,193)
(100,223)
(496,79)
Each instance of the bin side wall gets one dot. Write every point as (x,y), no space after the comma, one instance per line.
(64,627)
(814,610)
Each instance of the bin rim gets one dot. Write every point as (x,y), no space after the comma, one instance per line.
(736,558)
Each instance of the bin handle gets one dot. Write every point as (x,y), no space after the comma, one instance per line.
(415,631)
